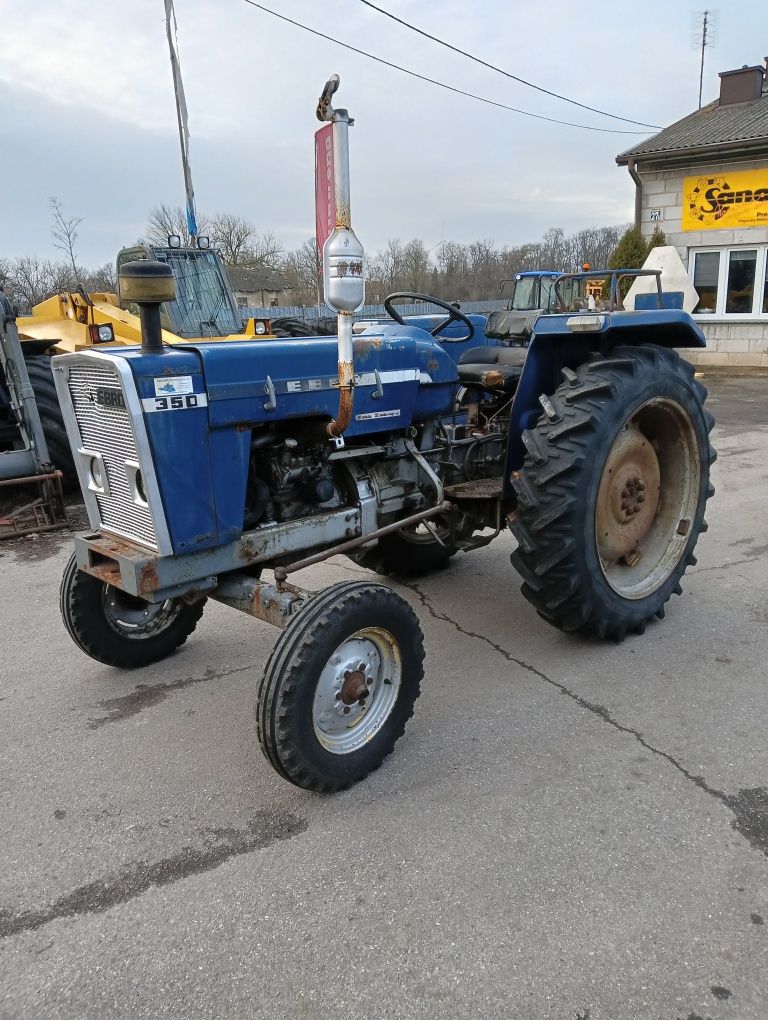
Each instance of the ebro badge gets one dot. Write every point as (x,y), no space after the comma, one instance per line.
(169,386)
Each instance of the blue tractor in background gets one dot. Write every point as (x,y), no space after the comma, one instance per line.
(218,471)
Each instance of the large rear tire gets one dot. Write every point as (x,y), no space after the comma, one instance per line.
(339,686)
(118,629)
(47,400)
(612,494)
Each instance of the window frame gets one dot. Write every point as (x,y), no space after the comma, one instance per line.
(761,267)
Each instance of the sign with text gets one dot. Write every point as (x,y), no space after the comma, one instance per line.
(723,201)
(325,196)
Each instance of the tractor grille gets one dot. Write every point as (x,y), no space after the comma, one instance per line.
(108,430)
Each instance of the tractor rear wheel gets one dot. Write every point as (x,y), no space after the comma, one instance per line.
(339,686)
(119,629)
(612,494)
(412,552)
(47,400)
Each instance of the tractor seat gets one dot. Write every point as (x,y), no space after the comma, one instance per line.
(493,368)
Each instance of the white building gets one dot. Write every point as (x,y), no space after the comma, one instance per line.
(704,182)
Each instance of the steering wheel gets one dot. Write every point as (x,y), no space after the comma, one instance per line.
(454,315)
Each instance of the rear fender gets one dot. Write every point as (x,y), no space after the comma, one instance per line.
(555,346)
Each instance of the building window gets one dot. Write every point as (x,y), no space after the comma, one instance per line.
(706,271)
(740,296)
(731,281)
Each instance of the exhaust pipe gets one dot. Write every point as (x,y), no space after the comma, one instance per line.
(148,284)
(343,258)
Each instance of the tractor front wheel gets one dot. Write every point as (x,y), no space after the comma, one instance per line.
(612,494)
(119,629)
(339,686)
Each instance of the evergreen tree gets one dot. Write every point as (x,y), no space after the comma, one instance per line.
(658,239)
(631,251)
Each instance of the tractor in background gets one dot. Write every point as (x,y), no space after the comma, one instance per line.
(219,471)
(204,307)
(24,457)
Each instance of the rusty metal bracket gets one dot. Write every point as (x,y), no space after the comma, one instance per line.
(260,599)
(282,572)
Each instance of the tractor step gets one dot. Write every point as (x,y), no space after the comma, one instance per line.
(478,488)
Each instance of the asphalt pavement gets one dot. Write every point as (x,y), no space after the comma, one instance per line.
(568,829)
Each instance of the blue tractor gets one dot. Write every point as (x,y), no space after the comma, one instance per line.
(219,470)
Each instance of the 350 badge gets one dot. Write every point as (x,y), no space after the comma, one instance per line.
(177,402)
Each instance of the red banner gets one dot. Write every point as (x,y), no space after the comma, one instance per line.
(325,196)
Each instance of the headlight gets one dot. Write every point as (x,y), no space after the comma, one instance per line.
(141,492)
(101,334)
(259,328)
(585,323)
(97,475)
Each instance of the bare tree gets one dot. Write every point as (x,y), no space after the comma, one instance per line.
(265,250)
(234,236)
(101,280)
(64,231)
(415,266)
(32,280)
(165,220)
(303,270)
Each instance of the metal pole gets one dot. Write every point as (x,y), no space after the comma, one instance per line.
(703,47)
(181,116)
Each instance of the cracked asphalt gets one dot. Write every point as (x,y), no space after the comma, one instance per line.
(568,829)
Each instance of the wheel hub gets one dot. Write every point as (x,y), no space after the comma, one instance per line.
(355,686)
(647,497)
(356,690)
(134,617)
(628,497)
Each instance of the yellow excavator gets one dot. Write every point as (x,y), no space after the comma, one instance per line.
(205,309)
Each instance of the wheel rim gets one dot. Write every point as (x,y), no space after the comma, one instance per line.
(357,690)
(420,534)
(134,617)
(647,498)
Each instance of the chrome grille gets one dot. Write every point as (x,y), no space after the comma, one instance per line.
(109,431)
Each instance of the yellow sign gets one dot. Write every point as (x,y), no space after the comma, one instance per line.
(727,200)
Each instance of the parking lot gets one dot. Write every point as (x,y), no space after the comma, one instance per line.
(568,829)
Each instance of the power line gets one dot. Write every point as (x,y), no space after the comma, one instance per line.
(433,81)
(507,74)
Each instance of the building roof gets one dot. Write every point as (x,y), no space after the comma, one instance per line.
(739,126)
(249,281)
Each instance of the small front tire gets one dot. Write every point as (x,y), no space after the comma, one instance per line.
(119,629)
(339,686)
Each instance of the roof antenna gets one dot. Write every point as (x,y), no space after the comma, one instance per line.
(703,34)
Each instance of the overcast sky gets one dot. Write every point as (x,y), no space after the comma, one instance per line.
(88,113)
